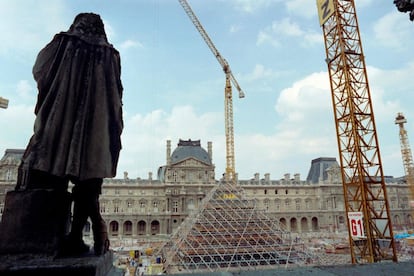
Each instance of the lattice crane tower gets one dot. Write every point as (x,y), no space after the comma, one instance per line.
(365,196)
(406,156)
(228,95)
(4,103)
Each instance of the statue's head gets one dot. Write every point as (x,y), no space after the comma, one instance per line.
(88,25)
(404,5)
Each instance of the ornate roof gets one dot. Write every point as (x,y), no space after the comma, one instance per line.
(12,157)
(190,149)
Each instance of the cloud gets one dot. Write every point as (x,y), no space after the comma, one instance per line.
(145,136)
(393,31)
(285,28)
(18,120)
(248,6)
(25,90)
(304,8)
(260,72)
(234,28)
(128,44)
(32,26)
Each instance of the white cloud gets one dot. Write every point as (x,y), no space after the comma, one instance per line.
(25,90)
(234,28)
(128,44)
(249,6)
(265,37)
(18,120)
(145,136)
(284,29)
(260,72)
(394,31)
(32,27)
(303,8)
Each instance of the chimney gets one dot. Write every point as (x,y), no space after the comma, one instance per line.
(210,150)
(267,177)
(256,177)
(168,152)
(150,176)
(287,177)
(297,177)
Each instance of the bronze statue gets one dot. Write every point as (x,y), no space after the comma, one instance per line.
(78,124)
(405,6)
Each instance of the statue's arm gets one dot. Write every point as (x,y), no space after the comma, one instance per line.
(44,69)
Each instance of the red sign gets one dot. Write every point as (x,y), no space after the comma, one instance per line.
(356,224)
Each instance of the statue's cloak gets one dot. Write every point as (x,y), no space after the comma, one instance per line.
(79,109)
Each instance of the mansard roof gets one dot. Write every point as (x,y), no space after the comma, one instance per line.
(12,157)
(318,170)
(190,149)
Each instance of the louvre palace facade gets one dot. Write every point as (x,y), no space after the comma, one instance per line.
(153,208)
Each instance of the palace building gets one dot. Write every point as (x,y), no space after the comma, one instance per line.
(153,208)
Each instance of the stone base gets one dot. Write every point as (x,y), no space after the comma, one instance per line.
(34,221)
(30,265)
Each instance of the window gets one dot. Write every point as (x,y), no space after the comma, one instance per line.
(175,206)
(287,203)
(9,175)
(265,192)
(277,204)
(297,204)
(142,206)
(116,206)
(266,204)
(307,203)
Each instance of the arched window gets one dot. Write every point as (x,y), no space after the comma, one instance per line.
(113,228)
(142,227)
(127,228)
(155,227)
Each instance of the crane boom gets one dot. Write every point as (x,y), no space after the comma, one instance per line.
(228,95)
(367,208)
(216,53)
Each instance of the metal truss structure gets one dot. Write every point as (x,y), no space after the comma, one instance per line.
(407,158)
(229,232)
(371,238)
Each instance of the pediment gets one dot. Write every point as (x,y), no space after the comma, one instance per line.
(190,162)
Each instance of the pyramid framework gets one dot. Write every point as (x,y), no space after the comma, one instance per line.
(228,232)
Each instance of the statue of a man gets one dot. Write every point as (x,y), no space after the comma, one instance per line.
(78,124)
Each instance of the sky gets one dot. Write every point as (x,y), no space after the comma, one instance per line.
(174,86)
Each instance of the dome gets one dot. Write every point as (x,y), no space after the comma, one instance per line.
(190,149)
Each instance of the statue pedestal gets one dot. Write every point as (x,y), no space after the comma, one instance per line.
(34,221)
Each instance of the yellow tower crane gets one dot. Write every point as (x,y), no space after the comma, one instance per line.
(370,230)
(228,95)
(4,103)
(407,159)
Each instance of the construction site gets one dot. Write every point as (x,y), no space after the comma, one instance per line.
(229,233)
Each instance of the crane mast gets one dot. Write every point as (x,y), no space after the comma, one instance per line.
(228,95)
(365,196)
(407,157)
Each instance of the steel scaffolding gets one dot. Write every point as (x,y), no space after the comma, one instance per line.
(229,232)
